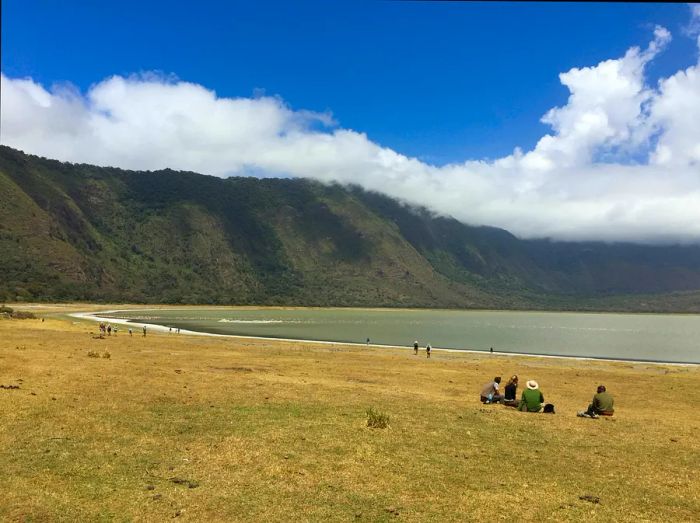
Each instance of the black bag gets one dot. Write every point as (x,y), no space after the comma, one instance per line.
(548,409)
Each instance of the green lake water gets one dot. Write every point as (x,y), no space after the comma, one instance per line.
(657,337)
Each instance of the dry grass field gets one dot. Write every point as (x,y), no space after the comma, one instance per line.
(215,429)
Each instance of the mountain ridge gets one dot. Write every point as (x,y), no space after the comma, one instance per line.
(81,232)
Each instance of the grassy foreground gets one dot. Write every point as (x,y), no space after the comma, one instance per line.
(214,429)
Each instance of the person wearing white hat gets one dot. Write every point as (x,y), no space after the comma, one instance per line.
(532,399)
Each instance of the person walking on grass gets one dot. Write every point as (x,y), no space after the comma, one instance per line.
(490,393)
(415,347)
(144,331)
(602,404)
(131,332)
(427,350)
(532,399)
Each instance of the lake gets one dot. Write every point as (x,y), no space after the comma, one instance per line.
(643,337)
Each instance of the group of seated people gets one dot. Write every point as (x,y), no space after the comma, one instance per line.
(532,399)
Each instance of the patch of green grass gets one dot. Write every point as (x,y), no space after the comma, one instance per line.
(377,419)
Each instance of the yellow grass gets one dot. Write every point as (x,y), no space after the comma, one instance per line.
(215,429)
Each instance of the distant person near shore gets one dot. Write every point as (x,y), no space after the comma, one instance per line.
(511,392)
(144,331)
(131,332)
(428,348)
(602,404)
(490,393)
(532,399)
(415,347)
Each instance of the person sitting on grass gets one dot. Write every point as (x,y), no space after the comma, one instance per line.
(511,391)
(532,399)
(602,404)
(490,392)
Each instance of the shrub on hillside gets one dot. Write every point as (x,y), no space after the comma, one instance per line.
(23,315)
(4,309)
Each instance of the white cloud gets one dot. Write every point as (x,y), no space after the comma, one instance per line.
(676,113)
(693,28)
(577,183)
(604,108)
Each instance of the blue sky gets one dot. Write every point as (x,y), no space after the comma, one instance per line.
(441,81)
(570,121)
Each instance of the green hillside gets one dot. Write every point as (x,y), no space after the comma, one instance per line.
(79,232)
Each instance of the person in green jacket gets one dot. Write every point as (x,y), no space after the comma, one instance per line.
(602,404)
(532,399)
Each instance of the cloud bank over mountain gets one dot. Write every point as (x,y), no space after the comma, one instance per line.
(622,160)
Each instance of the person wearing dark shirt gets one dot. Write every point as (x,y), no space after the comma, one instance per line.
(511,391)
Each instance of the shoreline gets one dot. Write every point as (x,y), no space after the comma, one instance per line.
(95,316)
